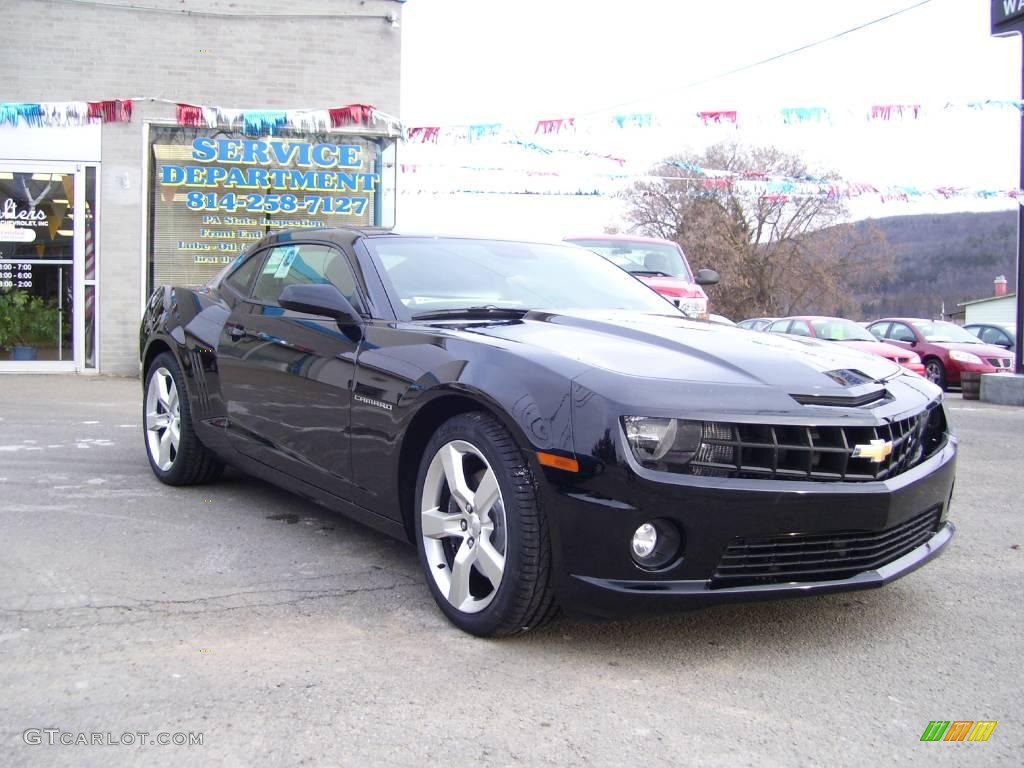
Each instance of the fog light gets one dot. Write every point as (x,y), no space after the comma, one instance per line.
(645,539)
(656,544)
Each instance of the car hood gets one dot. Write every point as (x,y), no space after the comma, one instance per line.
(673,286)
(673,348)
(890,351)
(981,350)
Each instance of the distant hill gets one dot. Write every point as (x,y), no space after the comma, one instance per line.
(947,258)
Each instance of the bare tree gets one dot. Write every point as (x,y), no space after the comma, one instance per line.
(781,246)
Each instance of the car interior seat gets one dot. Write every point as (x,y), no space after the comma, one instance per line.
(657,262)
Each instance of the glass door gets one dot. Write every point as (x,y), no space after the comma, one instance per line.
(43,214)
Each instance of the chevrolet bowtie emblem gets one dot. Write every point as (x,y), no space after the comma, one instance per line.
(876,450)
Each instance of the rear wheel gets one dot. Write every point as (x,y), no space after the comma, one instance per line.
(482,536)
(175,453)
(935,372)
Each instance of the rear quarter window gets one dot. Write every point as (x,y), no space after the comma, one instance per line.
(241,279)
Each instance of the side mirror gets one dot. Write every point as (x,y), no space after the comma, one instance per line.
(707,277)
(320,299)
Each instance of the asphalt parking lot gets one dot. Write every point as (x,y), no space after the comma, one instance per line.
(286,635)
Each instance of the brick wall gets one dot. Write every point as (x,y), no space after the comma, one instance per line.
(239,53)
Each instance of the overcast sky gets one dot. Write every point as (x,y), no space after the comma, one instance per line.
(516,61)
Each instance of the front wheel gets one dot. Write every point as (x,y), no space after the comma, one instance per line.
(935,372)
(175,453)
(482,536)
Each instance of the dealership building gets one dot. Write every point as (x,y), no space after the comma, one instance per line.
(150,143)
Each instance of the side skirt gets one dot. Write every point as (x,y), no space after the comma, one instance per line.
(330,501)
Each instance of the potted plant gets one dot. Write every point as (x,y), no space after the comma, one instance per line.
(25,321)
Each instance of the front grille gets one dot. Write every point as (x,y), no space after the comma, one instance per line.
(819,557)
(999,362)
(817,453)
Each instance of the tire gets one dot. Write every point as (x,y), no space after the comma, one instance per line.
(165,406)
(460,550)
(935,372)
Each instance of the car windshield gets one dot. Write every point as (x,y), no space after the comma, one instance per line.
(840,330)
(642,258)
(940,331)
(437,274)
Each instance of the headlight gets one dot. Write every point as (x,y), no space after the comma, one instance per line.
(693,307)
(964,357)
(660,443)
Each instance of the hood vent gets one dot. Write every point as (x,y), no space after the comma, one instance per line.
(845,401)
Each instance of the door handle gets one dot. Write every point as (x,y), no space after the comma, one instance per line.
(236,332)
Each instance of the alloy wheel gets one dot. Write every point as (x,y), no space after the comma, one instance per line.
(934,372)
(163,419)
(462,519)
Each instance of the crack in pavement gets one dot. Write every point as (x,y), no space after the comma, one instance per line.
(153,606)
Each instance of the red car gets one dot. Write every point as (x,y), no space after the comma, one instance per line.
(661,264)
(850,334)
(946,349)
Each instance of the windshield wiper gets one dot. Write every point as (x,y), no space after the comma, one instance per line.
(485,311)
(649,272)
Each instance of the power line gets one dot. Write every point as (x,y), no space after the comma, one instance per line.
(770,59)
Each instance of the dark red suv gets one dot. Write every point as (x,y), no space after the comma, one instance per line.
(946,350)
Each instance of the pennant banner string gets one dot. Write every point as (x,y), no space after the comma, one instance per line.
(253,122)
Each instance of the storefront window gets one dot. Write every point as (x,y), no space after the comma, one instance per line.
(37,211)
(215,192)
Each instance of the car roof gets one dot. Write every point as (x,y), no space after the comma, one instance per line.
(348,235)
(907,320)
(623,239)
(816,317)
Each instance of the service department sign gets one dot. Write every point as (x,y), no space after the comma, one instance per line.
(1007,16)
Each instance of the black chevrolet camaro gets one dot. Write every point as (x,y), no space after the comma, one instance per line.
(548,431)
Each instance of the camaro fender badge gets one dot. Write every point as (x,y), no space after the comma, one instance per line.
(877,450)
(371,401)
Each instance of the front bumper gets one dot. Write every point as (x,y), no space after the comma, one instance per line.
(955,369)
(594,526)
(917,368)
(609,597)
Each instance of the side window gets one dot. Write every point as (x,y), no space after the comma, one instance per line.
(900,332)
(879,330)
(241,279)
(779,326)
(799,328)
(994,336)
(304,263)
